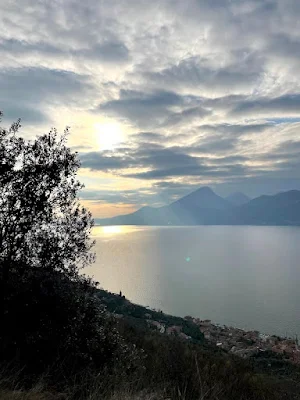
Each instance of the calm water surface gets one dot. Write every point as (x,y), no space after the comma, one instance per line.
(248,277)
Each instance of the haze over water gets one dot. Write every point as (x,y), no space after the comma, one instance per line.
(245,276)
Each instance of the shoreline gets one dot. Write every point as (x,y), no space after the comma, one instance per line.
(240,342)
(248,342)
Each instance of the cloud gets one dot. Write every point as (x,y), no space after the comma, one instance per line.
(149,137)
(101,162)
(286,105)
(285,154)
(292,146)
(27,114)
(188,114)
(34,88)
(142,108)
(217,145)
(195,73)
(236,129)
(40,84)
(218,152)
(23,47)
(140,157)
(161,163)
(107,51)
(106,196)
(136,197)
(158,108)
(186,171)
(205,92)
(283,45)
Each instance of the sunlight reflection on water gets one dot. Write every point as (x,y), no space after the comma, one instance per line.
(242,276)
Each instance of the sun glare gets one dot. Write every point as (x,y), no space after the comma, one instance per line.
(109,135)
(100,231)
(111,229)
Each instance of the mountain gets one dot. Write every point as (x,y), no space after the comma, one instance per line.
(238,198)
(204,197)
(143,216)
(204,207)
(280,209)
(200,207)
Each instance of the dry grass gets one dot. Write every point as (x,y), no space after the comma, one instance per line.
(32,395)
(145,395)
(29,395)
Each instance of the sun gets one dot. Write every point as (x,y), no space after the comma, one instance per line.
(109,135)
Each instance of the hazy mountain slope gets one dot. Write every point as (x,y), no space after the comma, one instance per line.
(204,207)
(143,216)
(280,209)
(238,198)
(204,197)
(199,207)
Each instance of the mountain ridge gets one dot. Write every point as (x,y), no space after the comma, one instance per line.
(205,207)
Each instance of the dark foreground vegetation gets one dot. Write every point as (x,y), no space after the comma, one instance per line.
(59,336)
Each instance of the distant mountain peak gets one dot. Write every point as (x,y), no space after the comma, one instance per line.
(204,197)
(238,198)
(204,189)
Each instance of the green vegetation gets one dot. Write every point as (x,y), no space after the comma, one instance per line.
(59,338)
(138,314)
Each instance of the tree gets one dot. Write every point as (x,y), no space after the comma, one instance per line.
(44,241)
(41,221)
(50,317)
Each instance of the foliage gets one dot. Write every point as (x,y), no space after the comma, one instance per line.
(41,221)
(53,322)
(49,316)
(120,305)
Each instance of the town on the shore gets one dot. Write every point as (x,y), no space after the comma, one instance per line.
(237,341)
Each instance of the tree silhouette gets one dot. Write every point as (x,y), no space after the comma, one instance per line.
(50,316)
(44,241)
(41,221)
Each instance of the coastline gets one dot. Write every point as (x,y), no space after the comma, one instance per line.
(233,340)
(248,343)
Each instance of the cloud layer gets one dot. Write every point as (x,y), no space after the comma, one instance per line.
(205,92)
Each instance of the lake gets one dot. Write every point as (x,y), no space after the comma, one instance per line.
(244,276)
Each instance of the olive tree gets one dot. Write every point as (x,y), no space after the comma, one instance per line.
(50,317)
(41,220)
(44,241)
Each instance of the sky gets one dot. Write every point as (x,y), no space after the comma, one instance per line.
(162,96)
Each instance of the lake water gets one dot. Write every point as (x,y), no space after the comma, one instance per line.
(244,276)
